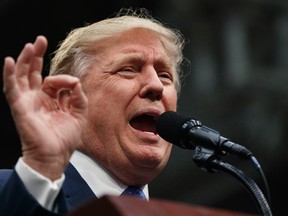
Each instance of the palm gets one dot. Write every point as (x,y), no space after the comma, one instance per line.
(49,133)
(45,128)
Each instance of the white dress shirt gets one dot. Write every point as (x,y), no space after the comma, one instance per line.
(96,176)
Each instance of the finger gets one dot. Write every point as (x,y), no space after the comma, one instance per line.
(53,84)
(22,66)
(35,77)
(40,46)
(78,100)
(9,78)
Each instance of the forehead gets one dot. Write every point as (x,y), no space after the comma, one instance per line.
(138,41)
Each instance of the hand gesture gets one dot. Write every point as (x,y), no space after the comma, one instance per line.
(49,122)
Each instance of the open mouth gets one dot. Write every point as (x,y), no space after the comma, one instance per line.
(145,123)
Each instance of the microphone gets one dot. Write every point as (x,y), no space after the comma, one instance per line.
(189,133)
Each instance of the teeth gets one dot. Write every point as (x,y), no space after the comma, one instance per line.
(148,132)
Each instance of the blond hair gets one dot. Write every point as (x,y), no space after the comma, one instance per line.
(74,55)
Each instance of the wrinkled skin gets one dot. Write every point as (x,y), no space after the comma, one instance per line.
(110,117)
(48,134)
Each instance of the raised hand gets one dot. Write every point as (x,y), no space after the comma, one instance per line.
(49,114)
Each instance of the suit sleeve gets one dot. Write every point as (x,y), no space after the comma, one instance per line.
(15,200)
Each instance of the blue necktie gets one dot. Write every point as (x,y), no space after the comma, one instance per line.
(134,191)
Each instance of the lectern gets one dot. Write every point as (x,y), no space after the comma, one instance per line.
(130,206)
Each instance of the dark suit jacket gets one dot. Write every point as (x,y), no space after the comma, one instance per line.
(15,200)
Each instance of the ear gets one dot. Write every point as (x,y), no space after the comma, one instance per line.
(64,99)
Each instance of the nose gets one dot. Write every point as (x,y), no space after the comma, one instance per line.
(152,87)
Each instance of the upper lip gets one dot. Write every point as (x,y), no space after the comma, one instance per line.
(140,122)
(155,113)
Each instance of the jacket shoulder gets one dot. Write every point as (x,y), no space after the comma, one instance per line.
(4,175)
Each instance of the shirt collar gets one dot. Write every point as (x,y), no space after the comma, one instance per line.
(97,177)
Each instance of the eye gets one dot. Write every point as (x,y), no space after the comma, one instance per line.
(127,72)
(127,69)
(165,77)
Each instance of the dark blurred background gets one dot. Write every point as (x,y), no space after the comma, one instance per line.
(237,85)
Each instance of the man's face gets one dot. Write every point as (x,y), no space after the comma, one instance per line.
(129,86)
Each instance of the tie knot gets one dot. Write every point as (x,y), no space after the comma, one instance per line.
(134,191)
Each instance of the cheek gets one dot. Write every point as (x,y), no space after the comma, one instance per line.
(170,100)
(102,100)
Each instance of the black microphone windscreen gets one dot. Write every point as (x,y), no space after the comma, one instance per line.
(169,126)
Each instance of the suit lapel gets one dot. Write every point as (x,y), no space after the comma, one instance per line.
(75,188)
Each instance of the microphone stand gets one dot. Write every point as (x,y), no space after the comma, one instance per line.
(208,161)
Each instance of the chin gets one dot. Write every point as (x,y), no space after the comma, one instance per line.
(150,160)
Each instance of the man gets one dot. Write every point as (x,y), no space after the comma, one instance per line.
(88,129)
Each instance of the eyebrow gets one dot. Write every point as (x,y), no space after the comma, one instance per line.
(132,55)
